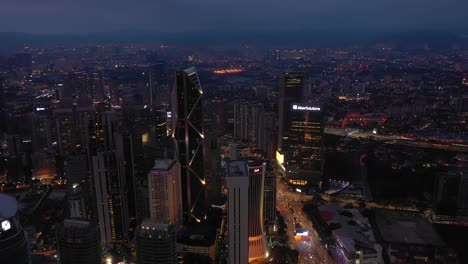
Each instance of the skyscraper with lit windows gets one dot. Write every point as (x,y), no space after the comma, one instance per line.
(165,197)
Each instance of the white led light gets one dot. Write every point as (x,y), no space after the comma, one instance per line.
(6,225)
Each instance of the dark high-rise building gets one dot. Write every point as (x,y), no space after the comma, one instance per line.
(212,163)
(155,243)
(267,134)
(72,128)
(290,91)
(23,60)
(246,120)
(13,238)
(78,242)
(110,182)
(75,170)
(187,104)
(451,197)
(269,196)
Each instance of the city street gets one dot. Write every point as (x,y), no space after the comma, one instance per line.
(290,206)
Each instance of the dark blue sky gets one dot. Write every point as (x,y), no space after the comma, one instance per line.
(83,16)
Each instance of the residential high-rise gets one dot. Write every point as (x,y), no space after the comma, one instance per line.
(257,240)
(238,212)
(246,120)
(187,108)
(78,242)
(290,91)
(155,243)
(165,197)
(110,182)
(13,238)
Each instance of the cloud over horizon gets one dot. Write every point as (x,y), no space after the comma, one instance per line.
(91,16)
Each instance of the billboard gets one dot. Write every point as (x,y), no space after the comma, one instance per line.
(305,108)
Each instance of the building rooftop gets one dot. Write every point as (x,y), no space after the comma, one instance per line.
(237,168)
(8,206)
(253,161)
(355,232)
(403,227)
(163,164)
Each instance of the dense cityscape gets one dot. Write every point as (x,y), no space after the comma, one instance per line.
(170,152)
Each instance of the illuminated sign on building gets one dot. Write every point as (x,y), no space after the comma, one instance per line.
(279,157)
(297,107)
(40,109)
(169,114)
(256,170)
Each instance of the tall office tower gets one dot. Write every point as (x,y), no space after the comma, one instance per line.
(187,104)
(451,197)
(72,126)
(75,170)
(110,182)
(238,212)
(155,243)
(269,194)
(77,202)
(257,240)
(290,91)
(42,129)
(165,197)
(13,238)
(78,242)
(246,120)
(303,145)
(267,135)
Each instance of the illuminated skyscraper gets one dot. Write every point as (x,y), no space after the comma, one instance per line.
(13,238)
(290,91)
(257,240)
(303,146)
(165,197)
(238,212)
(187,104)
(78,242)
